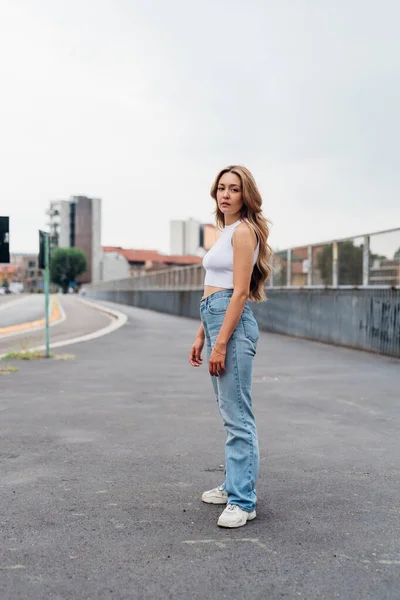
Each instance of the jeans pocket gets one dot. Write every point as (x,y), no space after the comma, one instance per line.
(250,328)
(218,306)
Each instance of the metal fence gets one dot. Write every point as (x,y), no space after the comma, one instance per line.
(344,292)
(367,260)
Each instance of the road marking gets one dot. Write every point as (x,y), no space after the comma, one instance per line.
(366,561)
(57,316)
(222,543)
(119,320)
(13,567)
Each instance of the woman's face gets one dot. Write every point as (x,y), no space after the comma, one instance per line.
(229,194)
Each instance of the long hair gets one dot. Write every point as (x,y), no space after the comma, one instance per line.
(252,211)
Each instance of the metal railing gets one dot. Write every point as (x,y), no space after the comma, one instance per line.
(368,260)
(371,259)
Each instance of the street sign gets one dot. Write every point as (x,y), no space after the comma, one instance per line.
(4,239)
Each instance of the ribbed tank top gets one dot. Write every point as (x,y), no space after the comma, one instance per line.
(218,262)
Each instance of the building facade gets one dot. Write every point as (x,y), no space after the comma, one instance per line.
(192,237)
(77,223)
(122,263)
(23,273)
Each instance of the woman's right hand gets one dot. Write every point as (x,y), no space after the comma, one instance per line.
(195,353)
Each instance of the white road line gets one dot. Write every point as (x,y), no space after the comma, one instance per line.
(120,320)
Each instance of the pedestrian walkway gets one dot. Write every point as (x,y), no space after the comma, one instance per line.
(104,457)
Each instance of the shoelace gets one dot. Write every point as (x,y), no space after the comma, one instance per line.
(231,507)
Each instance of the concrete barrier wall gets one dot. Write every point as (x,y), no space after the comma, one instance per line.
(368,319)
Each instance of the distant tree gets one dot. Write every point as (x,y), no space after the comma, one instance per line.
(66,264)
(350,259)
(397,254)
(350,264)
(5,284)
(280,268)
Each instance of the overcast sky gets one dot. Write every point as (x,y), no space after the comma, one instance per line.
(141,102)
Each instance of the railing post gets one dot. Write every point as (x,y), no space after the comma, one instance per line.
(310,265)
(365,278)
(289,267)
(271,277)
(335,264)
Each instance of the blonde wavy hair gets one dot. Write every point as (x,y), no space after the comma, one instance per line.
(252,211)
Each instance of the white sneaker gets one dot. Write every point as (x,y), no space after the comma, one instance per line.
(215,496)
(234,516)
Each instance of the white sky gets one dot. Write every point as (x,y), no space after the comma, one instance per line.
(141,102)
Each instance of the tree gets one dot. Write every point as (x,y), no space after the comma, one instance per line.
(6,285)
(350,259)
(397,254)
(66,264)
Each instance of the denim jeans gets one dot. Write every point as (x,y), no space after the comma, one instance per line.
(233,393)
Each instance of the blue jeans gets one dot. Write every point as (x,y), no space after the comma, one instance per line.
(233,393)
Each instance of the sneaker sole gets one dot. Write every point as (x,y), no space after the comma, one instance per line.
(251,516)
(215,500)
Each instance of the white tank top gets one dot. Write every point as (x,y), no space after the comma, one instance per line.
(218,262)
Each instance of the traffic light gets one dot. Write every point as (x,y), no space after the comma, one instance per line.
(4,239)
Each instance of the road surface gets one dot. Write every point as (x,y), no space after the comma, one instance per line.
(80,319)
(105,456)
(21,309)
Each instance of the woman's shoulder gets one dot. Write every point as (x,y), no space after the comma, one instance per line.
(245,232)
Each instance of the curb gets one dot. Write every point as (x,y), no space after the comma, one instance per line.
(120,319)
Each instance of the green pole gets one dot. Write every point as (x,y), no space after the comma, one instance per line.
(47,290)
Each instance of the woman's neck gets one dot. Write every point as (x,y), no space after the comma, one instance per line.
(231,219)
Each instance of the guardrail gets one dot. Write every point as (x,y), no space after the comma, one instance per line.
(344,292)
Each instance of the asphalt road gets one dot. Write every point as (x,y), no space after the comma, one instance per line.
(80,320)
(21,309)
(105,456)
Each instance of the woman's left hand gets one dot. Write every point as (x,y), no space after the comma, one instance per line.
(216,364)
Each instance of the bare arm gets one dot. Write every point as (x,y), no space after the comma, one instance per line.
(200,332)
(197,348)
(244,241)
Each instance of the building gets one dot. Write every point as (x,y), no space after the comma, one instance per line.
(191,237)
(184,237)
(77,223)
(8,277)
(23,273)
(122,263)
(384,271)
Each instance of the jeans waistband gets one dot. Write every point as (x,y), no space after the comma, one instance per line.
(220,294)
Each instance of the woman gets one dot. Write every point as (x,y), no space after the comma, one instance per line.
(237,267)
